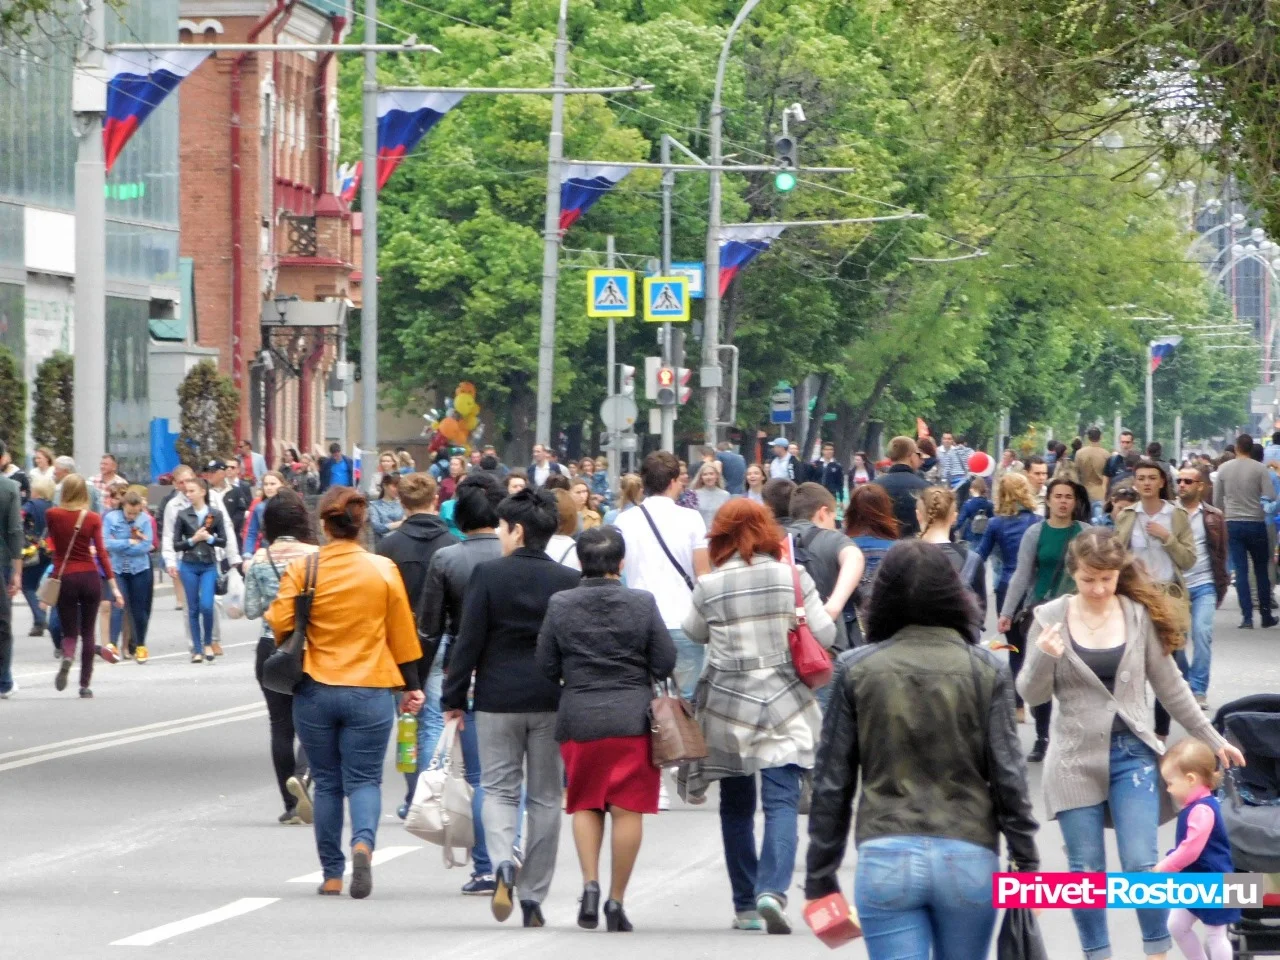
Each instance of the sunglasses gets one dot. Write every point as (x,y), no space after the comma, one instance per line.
(1182,481)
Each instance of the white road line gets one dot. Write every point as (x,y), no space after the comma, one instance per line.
(381,855)
(156,935)
(121,741)
(110,735)
(163,656)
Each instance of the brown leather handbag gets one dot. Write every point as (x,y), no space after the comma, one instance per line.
(674,734)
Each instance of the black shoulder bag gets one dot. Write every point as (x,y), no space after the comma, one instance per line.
(282,671)
(688,580)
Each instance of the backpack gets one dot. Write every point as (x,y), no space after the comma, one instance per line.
(978,523)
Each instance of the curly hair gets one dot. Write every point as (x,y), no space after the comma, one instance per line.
(1013,493)
(1103,550)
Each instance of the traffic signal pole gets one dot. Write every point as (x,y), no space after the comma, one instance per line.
(615,438)
(369,250)
(668,181)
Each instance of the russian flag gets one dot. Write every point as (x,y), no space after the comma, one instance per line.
(581,185)
(404,119)
(1161,349)
(349,180)
(739,245)
(136,84)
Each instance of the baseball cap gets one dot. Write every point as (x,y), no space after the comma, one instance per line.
(780,442)
(214,465)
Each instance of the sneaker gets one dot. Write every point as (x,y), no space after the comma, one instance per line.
(197,658)
(402,811)
(300,789)
(37,630)
(57,653)
(141,655)
(1203,702)
(109,653)
(290,817)
(209,654)
(10,692)
(747,920)
(480,885)
(217,649)
(773,912)
(1246,624)
(60,681)
(1038,751)
(1268,620)
(86,693)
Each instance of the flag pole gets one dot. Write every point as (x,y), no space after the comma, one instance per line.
(1150,393)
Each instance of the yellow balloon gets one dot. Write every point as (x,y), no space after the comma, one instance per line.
(470,422)
(465,404)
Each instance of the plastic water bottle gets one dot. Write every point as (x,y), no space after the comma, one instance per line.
(407,743)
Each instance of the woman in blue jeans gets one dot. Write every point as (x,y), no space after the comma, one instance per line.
(922,718)
(198,532)
(1096,651)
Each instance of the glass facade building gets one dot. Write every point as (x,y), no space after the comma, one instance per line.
(38,143)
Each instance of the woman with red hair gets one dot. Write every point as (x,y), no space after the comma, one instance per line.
(756,714)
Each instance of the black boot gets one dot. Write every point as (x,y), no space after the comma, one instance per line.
(1038,751)
(589,912)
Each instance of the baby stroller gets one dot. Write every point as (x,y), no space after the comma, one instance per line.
(1251,814)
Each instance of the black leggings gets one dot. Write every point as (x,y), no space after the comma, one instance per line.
(78,601)
(1017,638)
(280,714)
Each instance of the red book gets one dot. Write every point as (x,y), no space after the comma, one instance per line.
(833,920)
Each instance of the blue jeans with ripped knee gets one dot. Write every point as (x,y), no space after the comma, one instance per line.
(1134,799)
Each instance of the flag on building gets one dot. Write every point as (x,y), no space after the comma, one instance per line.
(739,245)
(403,120)
(349,180)
(581,185)
(1161,349)
(136,84)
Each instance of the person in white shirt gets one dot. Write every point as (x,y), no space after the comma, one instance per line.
(542,466)
(562,547)
(783,464)
(667,574)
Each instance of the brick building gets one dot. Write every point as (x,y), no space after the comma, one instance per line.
(271,243)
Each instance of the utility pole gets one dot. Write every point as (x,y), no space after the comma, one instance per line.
(89,101)
(1177,438)
(369,248)
(1151,412)
(551,236)
(710,376)
(611,377)
(668,414)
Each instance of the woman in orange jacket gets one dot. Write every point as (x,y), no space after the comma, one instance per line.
(362,644)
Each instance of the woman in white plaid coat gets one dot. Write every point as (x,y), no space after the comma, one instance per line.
(756,714)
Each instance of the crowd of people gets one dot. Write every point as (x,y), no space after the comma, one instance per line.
(537,609)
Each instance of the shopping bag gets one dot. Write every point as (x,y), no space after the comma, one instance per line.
(233,602)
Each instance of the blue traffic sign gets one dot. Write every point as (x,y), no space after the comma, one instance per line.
(696,272)
(782,405)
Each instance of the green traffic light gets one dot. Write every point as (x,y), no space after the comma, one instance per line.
(784,181)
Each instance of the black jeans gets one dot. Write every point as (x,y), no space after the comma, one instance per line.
(1017,638)
(6,633)
(137,589)
(280,715)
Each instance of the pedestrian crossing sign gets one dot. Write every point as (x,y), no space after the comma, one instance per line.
(666,299)
(611,293)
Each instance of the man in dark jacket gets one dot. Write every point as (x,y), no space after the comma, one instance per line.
(515,703)
(337,470)
(411,547)
(476,515)
(827,471)
(11,544)
(903,484)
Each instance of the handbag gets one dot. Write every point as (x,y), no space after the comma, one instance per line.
(808,656)
(282,670)
(1020,937)
(441,809)
(49,591)
(674,735)
(684,575)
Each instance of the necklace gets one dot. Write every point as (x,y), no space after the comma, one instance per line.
(1085,620)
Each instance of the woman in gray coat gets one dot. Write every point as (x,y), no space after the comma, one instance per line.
(608,645)
(1096,651)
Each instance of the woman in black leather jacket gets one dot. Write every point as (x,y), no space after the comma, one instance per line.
(198,532)
(925,719)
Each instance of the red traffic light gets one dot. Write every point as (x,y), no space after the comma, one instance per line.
(666,377)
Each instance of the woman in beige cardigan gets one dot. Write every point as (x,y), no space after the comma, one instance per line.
(1096,651)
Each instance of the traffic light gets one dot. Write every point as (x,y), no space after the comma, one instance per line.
(651,365)
(666,387)
(786,154)
(626,380)
(683,376)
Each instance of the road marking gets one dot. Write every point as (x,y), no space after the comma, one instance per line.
(381,855)
(163,656)
(119,740)
(236,908)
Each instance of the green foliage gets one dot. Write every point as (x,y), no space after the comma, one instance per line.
(53,412)
(13,404)
(209,404)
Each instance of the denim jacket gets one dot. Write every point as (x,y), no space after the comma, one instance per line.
(1005,533)
(128,555)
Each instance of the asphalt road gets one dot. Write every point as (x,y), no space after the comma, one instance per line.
(146,817)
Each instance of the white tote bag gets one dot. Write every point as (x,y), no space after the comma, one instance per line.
(233,602)
(441,808)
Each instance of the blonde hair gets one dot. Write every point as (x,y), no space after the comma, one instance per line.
(630,490)
(1103,550)
(42,488)
(936,503)
(1193,756)
(697,479)
(1013,493)
(75,493)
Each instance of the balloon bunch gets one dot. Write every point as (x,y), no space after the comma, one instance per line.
(460,420)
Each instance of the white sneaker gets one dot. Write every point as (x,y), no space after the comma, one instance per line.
(664,798)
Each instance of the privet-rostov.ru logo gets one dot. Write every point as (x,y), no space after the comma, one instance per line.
(1098,891)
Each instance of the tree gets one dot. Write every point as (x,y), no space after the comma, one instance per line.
(209,405)
(13,404)
(53,413)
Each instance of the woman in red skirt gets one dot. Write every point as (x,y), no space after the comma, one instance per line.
(607,643)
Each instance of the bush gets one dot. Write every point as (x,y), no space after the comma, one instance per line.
(13,404)
(53,413)
(210,405)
